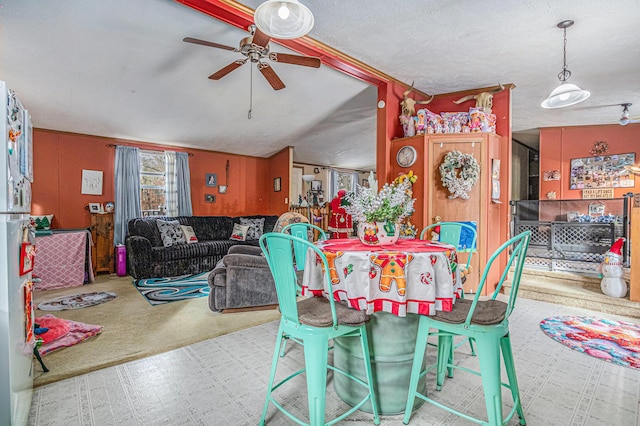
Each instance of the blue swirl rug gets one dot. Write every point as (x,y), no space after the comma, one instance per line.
(159,291)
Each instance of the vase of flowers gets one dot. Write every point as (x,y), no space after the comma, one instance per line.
(379,213)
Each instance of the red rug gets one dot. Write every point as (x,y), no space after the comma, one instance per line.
(64,333)
(617,342)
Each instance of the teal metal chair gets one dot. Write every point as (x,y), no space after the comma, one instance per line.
(312,322)
(487,322)
(301,230)
(451,233)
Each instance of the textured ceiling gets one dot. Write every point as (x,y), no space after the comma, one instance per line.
(120,69)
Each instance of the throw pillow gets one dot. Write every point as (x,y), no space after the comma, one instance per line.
(171,232)
(189,234)
(239,232)
(256,227)
(42,222)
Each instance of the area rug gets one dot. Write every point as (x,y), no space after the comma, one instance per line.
(76,301)
(159,291)
(65,333)
(613,341)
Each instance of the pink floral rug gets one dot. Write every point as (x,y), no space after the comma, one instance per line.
(617,342)
(63,333)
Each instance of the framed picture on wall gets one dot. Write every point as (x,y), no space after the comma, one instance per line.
(277,184)
(211,179)
(316,185)
(603,171)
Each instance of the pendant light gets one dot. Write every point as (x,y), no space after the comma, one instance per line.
(283,19)
(566,94)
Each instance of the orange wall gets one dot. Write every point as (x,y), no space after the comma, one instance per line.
(280,165)
(60,157)
(558,145)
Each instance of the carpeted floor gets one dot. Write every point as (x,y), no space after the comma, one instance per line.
(134,329)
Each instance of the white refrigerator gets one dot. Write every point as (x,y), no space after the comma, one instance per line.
(16,261)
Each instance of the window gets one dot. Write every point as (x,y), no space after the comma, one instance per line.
(153,199)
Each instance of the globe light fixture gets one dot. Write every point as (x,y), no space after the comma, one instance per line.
(566,94)
(283,19)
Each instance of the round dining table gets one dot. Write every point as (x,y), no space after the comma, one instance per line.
(394,284)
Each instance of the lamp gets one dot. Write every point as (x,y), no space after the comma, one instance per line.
(566,94)
(284,19)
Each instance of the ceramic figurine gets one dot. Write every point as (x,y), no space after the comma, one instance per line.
(612,283)
(408,126)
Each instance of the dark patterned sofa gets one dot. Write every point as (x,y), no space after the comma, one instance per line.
(147,257)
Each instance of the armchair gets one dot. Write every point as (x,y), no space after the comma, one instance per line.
(242,279)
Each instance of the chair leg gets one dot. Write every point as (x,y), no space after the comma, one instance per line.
(445,356)
(418,357)
(489,356)
(473,349)
(366,356)
(315,359)
(272,376)
(283,345)
(507,353)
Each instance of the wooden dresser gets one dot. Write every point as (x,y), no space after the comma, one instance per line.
(102,235)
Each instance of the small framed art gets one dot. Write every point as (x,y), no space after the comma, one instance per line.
(210,198)
(94,207)
(211,179)
(277,184)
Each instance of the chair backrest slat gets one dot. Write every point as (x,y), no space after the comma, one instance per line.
(278,249)
(451,233)
(301,230)
(519,245)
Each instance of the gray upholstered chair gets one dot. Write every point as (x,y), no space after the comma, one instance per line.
(242,279)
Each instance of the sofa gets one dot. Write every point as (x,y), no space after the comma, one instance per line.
(242,279)
(148,257)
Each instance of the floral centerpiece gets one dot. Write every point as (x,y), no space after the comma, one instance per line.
(379,213)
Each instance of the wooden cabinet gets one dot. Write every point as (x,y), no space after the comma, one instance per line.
(102,235)
(432,198)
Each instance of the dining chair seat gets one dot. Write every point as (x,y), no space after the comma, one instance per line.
(487,312)
(316,312)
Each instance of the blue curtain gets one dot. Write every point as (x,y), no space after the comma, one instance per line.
(183,184)
(127,189)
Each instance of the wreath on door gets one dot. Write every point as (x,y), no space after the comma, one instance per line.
(459,173)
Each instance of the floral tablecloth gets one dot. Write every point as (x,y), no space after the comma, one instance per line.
(411,276)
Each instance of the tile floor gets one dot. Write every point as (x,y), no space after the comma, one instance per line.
(222,382)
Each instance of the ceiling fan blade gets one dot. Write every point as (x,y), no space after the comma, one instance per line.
(226,70)
(305,61)
(260,38)
(207,43)
(271,76)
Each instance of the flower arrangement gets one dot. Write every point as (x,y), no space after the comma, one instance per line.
(392,204)
(459,185)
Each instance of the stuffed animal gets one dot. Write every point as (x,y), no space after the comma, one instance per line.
(612,283)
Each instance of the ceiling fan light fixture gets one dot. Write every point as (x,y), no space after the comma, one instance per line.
(566,94)
(283,19)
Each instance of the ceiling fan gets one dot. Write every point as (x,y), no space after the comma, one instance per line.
(625,119)
(255,48)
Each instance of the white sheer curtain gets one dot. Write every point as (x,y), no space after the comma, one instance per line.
(178,184)
(127,189)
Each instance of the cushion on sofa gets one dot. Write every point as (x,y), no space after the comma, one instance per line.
(255,227)
(239,232)
(209,227)
(170,232)
(189,234)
